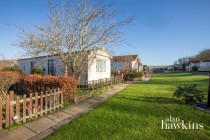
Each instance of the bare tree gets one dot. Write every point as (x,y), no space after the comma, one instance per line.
(203,55)
(183,62)
(75,27)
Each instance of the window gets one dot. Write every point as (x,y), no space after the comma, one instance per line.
(23,67)
(51,67)
(112,67)
(32,66)
(100,66)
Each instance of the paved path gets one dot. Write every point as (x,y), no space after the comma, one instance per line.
(47,125)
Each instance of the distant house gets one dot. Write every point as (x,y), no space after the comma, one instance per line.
(158,70)
(204,66)
(191,64)
(51,65)
(145,67)
(171,67)
(125,62)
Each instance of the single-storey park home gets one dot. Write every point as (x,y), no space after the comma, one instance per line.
(120,63)
(99,68)
(193,63)
(204,66)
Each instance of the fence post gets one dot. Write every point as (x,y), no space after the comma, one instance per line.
(46,102)
(24,108)
(61,99)
(50,101)
(18,109)
(54,99)
(7,111)
(11,98)
(0,113)
(30,105)
(41,104)
(36,105)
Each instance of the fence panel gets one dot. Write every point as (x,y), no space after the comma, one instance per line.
(96,84)
(15,111)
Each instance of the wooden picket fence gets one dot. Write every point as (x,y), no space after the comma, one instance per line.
(20,110)
(95,84)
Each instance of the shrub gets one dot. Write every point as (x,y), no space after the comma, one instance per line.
(37,70)
(194,68)
(68,85)
(32,83)
(190,93)
(12,68)
(138,74)
(7,79)
(37,83)
(132,74)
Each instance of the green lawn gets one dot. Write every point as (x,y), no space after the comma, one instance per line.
(137,111)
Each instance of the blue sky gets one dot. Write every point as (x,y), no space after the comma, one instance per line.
(162,32)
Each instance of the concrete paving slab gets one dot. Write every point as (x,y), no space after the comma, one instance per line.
(41,124)
(99,99)
(73,110)
(104,95)
(59,116)
(43,134)
(83,105)
(91,101)
(64,122)
(22,133)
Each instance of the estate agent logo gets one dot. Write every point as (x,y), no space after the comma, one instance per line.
(177,123)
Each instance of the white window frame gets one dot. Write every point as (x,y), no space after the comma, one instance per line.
(100,65)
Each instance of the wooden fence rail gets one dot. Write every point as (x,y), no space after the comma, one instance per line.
(16,110)
(95,84)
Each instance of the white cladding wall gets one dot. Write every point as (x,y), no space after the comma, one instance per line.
(194,64)
(92,74)
(204,66)
(140,68)
(59,70)
(26,65)
(135,65)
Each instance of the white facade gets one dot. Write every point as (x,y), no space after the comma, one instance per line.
(192,64)
(92,72)
(204,66)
